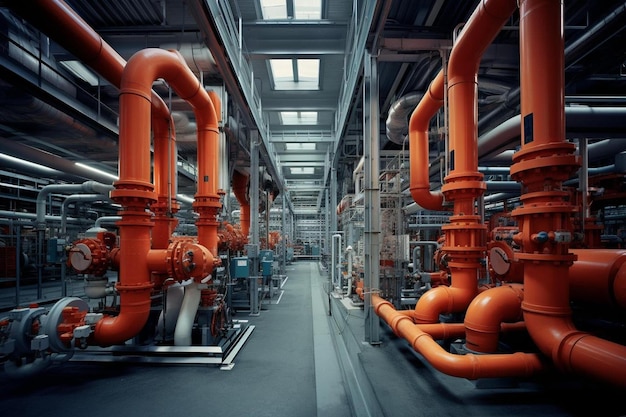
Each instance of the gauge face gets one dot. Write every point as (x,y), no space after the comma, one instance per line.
(500,261)
(81,257)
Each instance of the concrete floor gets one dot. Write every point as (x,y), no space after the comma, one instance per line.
(299,361)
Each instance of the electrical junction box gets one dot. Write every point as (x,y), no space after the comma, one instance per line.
(266,255)
(240,267)
(266,268)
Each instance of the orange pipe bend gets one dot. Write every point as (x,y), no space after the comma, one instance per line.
(419,125)
(468,366)
(444,299)
(486,313)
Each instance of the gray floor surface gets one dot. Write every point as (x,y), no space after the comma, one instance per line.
(299,361)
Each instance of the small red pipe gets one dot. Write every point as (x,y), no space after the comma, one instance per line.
(468,366)
(240,189)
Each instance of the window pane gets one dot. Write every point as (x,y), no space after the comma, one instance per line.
(307,9)
(274,9)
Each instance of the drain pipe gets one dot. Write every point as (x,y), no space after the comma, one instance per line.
(544,161)
(465,234)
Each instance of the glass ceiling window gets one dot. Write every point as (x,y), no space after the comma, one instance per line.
(302,9)
(302,170)
(295,74)
(298,117)
(300,146)
(307,9)
(273,9)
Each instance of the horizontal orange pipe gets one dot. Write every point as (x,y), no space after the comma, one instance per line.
(597,276)
(419,125)
(468,366)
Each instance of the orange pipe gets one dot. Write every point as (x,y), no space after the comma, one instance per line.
(597,277)
(447,299)
(206,107)
(165,180)
(66,27)
(468,366)
(486,313)
(543,163)
(465,236)
(134,191)
(240,189)
(419,125)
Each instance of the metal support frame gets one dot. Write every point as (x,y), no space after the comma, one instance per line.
(253,255)
(371,132)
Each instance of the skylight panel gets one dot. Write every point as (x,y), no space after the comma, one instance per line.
(298,117)
(273,9)
(300,146)
(302,170)
(307,9)
(295,74)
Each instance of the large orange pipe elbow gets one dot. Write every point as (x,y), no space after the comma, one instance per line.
(443,299)
(240,189)
(418,146)
(463,366)
(487,312)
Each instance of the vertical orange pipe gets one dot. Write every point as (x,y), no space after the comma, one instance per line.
(240,189)
(544,161)
(465,235)
(207,201)
(165,177)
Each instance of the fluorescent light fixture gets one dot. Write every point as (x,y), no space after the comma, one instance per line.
(273,9)
(96,170)
(27,164)
(184,198)
(302,170)
(81,71)
(300,146)
(298,117)
(295,74)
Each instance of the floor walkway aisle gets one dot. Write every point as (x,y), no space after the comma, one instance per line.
(286,368)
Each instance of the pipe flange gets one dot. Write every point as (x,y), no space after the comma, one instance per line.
(54,318)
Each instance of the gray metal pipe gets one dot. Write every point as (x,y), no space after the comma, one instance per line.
(75,198)
(86,187)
